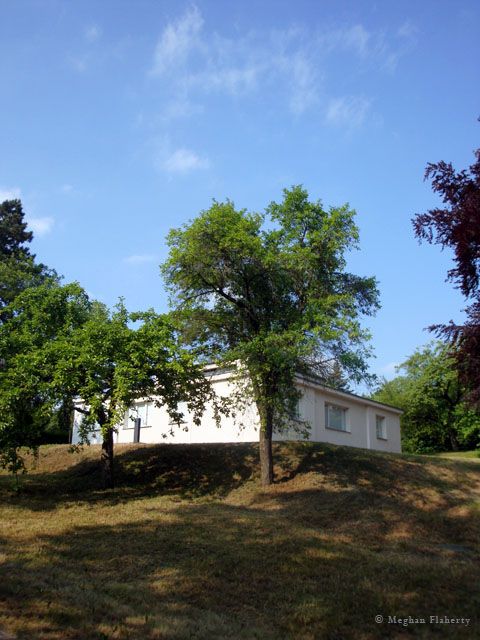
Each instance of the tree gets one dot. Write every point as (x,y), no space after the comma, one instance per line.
(435,418)
(18,268)
(13,229)
(61,346)
(336,378)
(110,363)
(19,271)
(457,226)
(39,317)
(270,291)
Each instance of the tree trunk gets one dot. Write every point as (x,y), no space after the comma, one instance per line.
(107,459)
(265,444)
(453,441)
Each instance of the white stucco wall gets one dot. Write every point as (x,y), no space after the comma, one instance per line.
(360,417)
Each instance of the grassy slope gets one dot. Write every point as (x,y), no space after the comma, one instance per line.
(471,455)
(190,546)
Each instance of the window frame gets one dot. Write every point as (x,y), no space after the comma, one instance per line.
(297,415)
(383,419)
(345,413)
(132,414)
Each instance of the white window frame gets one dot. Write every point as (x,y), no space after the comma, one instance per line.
(382,432)
(296,414)
(132,413)
(345,428)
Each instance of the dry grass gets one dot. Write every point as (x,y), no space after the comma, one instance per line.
(190,546)
(474,455)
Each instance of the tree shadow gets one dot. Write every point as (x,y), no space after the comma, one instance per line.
(393,493)
(216,570)
(349,466)
(188,471)
(212,471)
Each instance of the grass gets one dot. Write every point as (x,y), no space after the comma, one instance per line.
(190,546)
(470,455)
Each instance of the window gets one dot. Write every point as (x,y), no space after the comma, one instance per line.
(142,413)
(381,427)
(140,410)
(295,414)
(336,417)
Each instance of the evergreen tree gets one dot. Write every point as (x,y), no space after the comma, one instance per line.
(18,267)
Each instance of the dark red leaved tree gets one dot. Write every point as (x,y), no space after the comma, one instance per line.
(457,225)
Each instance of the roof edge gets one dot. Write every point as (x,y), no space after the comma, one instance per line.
(214,369)
(347,394)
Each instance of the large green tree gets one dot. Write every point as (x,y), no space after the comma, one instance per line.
(117,357)
(431,393)
(39,317)
(60,345)
(270,291)
(19,269)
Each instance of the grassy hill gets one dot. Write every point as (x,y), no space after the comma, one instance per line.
(190,546)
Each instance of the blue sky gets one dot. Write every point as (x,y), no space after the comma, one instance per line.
(120,120)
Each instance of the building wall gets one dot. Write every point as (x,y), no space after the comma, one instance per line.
(360,421)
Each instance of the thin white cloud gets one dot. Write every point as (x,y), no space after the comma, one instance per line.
(380,49)
(66,188)
(358,39)
(407,30)
(304,85)
(407,38)
(172,160)
(235,67)
(347,112)
(352,38)
(195,62)
(93,33)
(179,107)
(178,39)
(41,226)
(80,63)
(142,258)
(231,80)
(12,193)
(185,160)
(94,53)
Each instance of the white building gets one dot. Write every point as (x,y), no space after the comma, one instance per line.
(332,416)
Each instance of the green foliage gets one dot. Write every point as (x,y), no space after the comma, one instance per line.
(18,268)
(19,272)
(117,357)
(39,317)
(13,229)
(270,291)
(58,346)
(436,418)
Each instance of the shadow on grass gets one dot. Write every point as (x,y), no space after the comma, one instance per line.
(189,471)
(216,571)
(301,457)
(215,470)
(343,536)
(351,467)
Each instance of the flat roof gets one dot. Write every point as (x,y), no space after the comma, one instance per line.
(219,370)
(348,394)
